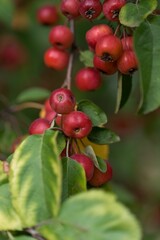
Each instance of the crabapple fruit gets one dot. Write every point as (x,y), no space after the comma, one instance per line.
(99,178)
(88,79)
(127,63)
(56,58)
(86,163)
(76,124)
(47,15)
(62,101)
(95,33)
(111,9)
(61,37)
(38,126)
(109,48)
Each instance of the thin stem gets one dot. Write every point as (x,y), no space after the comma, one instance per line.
(67,147)
(34,234)
(25,105)
(117,29)
(67,81)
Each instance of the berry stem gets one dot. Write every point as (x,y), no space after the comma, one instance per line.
(67,147)
(117,29)
(67,81)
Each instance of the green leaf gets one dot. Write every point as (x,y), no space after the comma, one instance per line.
(95,113)
(132,15)
(147,47)
(94,215)
(3,175)
(33,94)
(9,220)
(103,136)
(98,162)
(74,179)
(61,141)
(86,57)
(124,87)
(35,178)
(6,11)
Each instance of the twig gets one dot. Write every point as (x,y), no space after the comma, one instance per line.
(25,105)
(67,81)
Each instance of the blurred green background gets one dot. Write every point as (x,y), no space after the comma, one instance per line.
(135,160)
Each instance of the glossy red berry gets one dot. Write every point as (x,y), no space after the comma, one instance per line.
(111,9)
(95,33)
(47,15)
(59,120)
(70,8)
(50,116)
(47,106)
(109,48)
(38,126)
(88,79)
(76,124)
(90,9)
(99,178)
(127,63)
(62,101)
(104,67)
(127,43)
(56,58)
(86,163)
(61,37)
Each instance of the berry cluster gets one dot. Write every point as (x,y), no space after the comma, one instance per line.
(113,51)
(60,113)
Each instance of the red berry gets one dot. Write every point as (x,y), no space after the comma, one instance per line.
(61,37)
(99,178)
(55,58)
(86,163)
(47,15)
(109,48)
(127,63)
(76,124)
(88,79)
(127,43)
(59,120)
(47,106)
(111,9)
(104,67)
(95,33)
(62,101)
(90,9)
(38,126)
(50,116)
(70,8)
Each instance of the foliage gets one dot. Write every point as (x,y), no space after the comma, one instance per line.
(44,192)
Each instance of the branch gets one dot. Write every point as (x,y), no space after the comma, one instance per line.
(67,81)
(25,105)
